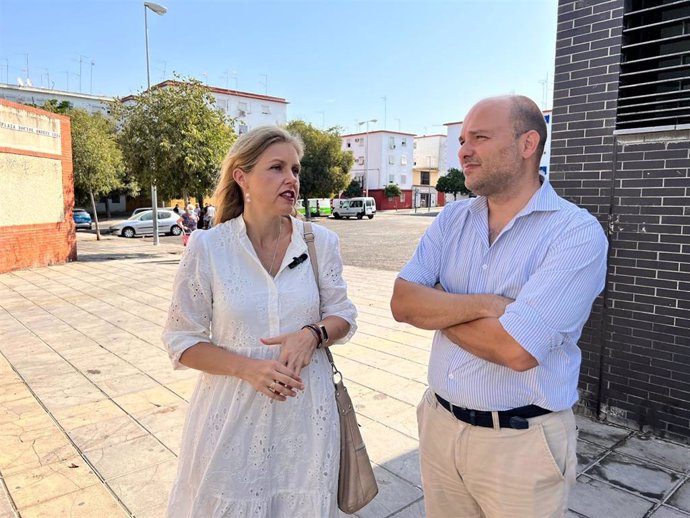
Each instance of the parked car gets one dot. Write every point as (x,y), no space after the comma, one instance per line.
(144,209)
(358,207)
(82,219)
(141,224)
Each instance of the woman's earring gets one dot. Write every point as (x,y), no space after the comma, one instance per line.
(248,199)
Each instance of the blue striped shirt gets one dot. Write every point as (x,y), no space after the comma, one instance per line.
(551,259)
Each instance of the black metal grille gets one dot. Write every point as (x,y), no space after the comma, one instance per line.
(654,85)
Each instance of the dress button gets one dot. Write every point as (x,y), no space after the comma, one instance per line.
(484,267)
(450,376)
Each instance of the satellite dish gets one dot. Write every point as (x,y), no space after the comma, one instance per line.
(20,82)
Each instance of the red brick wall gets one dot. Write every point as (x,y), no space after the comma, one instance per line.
(24,246)
(383,203)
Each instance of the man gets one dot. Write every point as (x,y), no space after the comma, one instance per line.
(210,214)
(516,271)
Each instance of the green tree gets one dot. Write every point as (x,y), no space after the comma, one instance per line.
(453,183)
(55,106)
(96,157)
(325,167)
(175,136)
(392,190)
(353,190)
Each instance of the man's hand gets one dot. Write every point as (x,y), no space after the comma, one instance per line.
(495,304)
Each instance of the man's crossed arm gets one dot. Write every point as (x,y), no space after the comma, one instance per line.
(469,321)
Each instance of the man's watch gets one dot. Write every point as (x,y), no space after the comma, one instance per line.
(324,334)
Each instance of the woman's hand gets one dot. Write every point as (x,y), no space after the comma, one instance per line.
(273,379)
(296,349)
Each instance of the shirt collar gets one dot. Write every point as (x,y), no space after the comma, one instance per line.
(239,228)
(544,199)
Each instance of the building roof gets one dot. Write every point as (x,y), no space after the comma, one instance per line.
(223,91)
(377,131)
(50,91)
(429,136)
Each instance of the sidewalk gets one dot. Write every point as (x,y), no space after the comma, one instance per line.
(91,412)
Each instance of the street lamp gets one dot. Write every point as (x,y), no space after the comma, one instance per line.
(366,155)
(159,10)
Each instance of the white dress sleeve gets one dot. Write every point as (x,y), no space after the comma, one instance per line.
(334,300)
(189,316)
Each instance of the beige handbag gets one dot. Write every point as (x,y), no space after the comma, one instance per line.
(356,482)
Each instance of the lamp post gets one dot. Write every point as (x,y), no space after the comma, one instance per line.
(366,155)
(159,10)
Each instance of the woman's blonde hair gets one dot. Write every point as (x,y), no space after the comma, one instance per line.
(244,154)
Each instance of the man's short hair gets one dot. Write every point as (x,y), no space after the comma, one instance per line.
(527,116)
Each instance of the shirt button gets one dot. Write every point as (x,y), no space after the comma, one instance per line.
(450,376)
(484,267)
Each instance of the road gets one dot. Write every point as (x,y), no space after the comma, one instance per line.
(383,243)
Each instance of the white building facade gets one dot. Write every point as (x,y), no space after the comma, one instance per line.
(382,157)
(31,95)
(248,109)
(453,132)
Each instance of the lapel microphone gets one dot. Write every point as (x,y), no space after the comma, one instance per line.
(296,261)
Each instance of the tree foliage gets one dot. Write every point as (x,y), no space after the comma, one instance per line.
(175,136)
(353,190)
(453,183)
(392,190)
(96,157)
(325,167)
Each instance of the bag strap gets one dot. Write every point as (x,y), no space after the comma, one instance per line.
(309,238)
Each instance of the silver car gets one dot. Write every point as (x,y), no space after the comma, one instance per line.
(141,224)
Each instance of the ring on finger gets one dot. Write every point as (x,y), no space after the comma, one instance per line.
(272,386)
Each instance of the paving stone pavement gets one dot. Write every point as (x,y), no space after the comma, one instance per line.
(91,412)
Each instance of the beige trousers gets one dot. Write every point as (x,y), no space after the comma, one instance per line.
(475,472)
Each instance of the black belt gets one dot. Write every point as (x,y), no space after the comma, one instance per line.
(515,418)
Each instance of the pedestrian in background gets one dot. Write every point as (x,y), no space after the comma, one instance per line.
(188,221)
(261,437)
(518,269)
(210,214)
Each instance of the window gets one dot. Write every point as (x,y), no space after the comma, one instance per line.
(163,214)
(242,108)
(403,143)
(147,217)
(391,159)
(654,88)
(403,179)
(391,142)
(391,178)
(265,109)
(403,159)
(348,143)
(243,128)
(425,178)
(360,160)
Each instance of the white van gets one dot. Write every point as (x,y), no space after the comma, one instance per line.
(358,207)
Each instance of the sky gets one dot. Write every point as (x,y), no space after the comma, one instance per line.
(413,65)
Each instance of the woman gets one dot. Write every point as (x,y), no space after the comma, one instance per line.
(188,220)
(261,438)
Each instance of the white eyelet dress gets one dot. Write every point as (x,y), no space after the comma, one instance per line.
(243,455)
